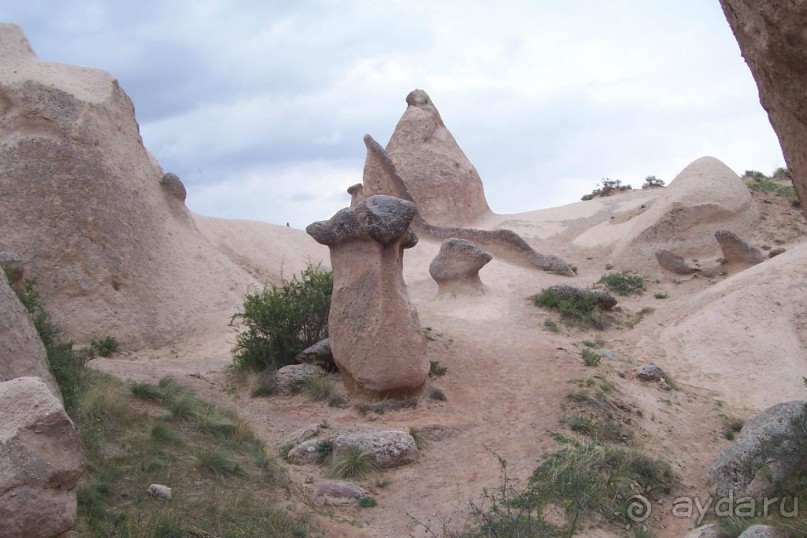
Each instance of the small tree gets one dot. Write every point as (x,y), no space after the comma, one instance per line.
(651,182)
(278,322)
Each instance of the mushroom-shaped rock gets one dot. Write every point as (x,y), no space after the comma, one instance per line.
(736,250)
(456,267)
(373,327)
(173,186)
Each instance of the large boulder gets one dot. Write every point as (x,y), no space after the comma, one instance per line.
(737,250)
(93,217)
(21,351)
(772,40)
(770,447)
(41,461)
(442,181)
(338,493)
(374,329)
(456,267)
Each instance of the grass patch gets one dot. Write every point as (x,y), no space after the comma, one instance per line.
(380,408)
(436,369)
(581,309)
(317,387)
(350,462)
(590,358)
(104,347)
(623,283)
(551,325)
(324,450)
(420,440)
(367,502)
(278,322)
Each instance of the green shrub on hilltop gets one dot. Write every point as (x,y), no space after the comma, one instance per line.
(278,322)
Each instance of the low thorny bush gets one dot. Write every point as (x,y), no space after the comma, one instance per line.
(278,322)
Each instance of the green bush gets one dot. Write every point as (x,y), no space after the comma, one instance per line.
(651,182)
(104,347)
(623,284)
(581,309)
(278,322)
(65,363)
(609,187)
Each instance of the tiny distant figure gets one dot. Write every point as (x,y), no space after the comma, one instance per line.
(287,225)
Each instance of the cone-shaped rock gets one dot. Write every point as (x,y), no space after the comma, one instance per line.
(374,329)
(91,214)
(441,179)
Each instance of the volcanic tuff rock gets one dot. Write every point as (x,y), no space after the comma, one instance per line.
(735,249)
(441,179)
(373,327)
(386,449)
(772,40)
(41,461)
(456,267)
(93,217)
(771,444)
(21,351)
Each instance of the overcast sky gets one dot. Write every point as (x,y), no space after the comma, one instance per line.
(260,106)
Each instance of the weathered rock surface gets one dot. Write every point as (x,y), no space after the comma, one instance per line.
(158,491)
(373,327)
(712,530)
(650,372)
(386,449)
(705,196)
(41,461)
(736,250)
(771,444)
(772,41)
(12,263)
(173,186)
(304,452)
(90,217)
(673,262)
(291,378)
(381,177)
(442,181)
(319,354)
(336,493)
(21,351)
(456,267)
(763,531)
(604,300)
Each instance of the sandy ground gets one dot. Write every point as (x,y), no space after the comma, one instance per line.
(508,375)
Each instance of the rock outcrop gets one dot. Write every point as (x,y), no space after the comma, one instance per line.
(675,263)
(386,449)
(601,298)
(319,354)
(338,493)
(91,213)
(11,263)
(771,446)
(736,250)
(442,181)
(381,177)
(21,351)
(772,41)
(705,196)
(41,461)
(373,327)
(456,267)
(292,378)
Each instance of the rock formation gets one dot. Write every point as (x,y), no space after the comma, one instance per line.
(41,461)
(373,327)
(338,493)
(771,446)
(381,177)
(772,41)
(11,263)
(705,196)
(675,263)
(21,351)
(736,250)
(91,214)
(386,449)
(456,267)
(442,181)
